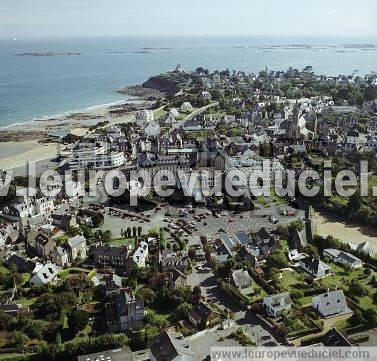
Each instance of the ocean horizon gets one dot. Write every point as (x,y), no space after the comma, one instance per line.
(33,87)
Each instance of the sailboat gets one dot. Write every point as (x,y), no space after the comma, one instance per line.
(14,38)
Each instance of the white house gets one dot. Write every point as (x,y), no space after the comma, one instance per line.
(143,117)
(141,254)
(315,267)
(343,258)
(355,137)
(277,304)
(47,274)
(331,303)
(60,256)
(77,247)
(152,129)
(186,107)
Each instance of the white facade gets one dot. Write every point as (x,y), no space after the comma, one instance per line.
(141,254)
(48,273)
(95,156)
(152,129)
(143,117)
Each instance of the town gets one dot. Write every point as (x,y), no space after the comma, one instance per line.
(97,276)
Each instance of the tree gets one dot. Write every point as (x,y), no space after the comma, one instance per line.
(297,225)
(371,316)
(134,231)
(147,295)
(129,232)
(139,231)
(277,259)
(182,311)
(78,320)
(5,321)
(356,289)
(20,339)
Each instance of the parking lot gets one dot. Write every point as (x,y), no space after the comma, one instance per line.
(200,220)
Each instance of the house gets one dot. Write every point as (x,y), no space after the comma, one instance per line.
(22,264)
(242,281)
(276,305)
(170,346)
(186,107)
(13,309)
(47,274)
(77,247)
(169,260)
(176,278)
(293,255)
(143,117)
(315,267)
(206,95)
(202,315)
(64,221)
(44,245)
(120,354)
(152,129)
(141,254)
(125,314)
(113,257)
(333,338)
(355,137)
(343,258)
(331,303)
(108,283)
(60,256)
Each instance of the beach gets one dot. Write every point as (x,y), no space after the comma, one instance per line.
(39,139)
(345,232)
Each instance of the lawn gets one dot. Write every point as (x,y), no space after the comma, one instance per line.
(289,278)
(119,242)
(73,270)
(340,279)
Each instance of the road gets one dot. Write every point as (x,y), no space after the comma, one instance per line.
(193,114)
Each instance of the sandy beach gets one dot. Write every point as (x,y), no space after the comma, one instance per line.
(21,143)
(345,232)
(25,152)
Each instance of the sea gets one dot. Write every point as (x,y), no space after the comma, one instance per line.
(33,87)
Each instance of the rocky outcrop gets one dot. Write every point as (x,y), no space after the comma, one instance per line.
(163,84)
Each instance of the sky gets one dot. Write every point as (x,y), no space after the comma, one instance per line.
(309,18)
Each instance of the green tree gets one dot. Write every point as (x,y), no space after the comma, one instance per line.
(78,320)
(20,339)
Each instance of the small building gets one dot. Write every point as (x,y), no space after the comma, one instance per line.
(45,275)
(333,338)
(170,346)
(60,256)
(141,254)
(186,107)
(331,304)
(242,281)
(77,247)
(201,316)
(276,305)
(343,258)
(125,314)
(108,283)
(176,278)
(315,267)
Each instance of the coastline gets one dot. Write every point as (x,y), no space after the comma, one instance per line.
(23,142)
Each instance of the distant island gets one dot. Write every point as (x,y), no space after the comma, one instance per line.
(50,53)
